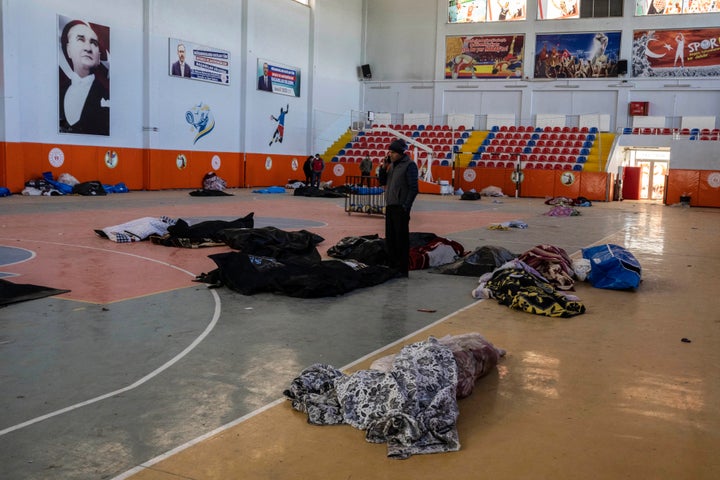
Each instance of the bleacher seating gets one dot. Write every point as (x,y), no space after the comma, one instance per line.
(561,148)
(692,133)
(440,138)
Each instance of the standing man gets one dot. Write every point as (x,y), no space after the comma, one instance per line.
(307,170)
(400,193)
(365,169)
(318,165)
(180,68)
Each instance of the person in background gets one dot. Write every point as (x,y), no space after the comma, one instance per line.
(382,170)
(307,170)
(318,165)
(180,68)
(365,169)
(84,93)
(400,193)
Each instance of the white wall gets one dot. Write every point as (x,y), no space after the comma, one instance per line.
(169,98)
(400,54)
(148,106)
(30,49)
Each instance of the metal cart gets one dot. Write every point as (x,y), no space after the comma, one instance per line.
(366,196)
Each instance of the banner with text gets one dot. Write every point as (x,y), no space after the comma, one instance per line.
(278,78)
(198,62)
(484,56)
(676,53)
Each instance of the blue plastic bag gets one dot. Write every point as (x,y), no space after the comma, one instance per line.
(612,267)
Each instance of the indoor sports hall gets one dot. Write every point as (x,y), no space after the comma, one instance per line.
(580,124)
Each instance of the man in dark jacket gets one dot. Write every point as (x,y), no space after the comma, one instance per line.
(307,170)
(400,193)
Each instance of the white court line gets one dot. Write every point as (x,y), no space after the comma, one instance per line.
(146,378)
(270,405)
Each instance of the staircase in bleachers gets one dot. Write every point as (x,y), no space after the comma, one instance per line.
(557,148)
(373,142)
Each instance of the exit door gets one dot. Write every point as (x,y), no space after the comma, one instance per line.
(652,179)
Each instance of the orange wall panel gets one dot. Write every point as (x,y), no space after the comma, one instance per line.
(81,162)
(595,186)
(165,171)
(478,178)
(128,169)
(3,166)
(566,184)
(537,183)
(229,168)
(682,182)
(709,189)
(338,171)
(266,170)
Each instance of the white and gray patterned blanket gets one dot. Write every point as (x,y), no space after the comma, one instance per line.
(412,407)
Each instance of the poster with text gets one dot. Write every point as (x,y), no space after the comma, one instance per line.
(577,55)
(83,77)
(275,77)
(676,53)
(558,9)
(198,62)
(484,56)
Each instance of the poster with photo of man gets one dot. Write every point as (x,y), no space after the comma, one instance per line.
(198,62)
(83,77)
(278,78)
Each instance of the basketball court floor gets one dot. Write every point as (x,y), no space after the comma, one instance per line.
(140,373)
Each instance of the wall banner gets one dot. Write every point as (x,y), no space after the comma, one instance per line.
(198,62)
(484,56)
(278,78)
(577,55)
(676,53)
(83,77)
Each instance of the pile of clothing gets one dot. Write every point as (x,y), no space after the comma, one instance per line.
(536,282)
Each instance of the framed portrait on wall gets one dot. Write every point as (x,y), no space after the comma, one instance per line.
(83,77)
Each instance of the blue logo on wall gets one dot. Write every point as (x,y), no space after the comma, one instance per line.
(201,118)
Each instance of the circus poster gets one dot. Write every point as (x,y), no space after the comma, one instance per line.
(676,53)
(484,56)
